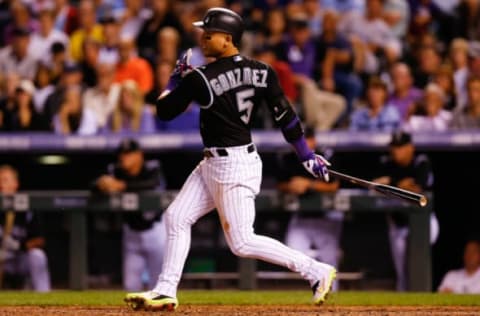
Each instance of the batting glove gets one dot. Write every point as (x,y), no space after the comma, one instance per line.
(182,68)
(317,166)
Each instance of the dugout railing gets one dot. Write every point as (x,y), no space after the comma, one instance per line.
(77,203)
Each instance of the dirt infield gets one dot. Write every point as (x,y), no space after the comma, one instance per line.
(237,310)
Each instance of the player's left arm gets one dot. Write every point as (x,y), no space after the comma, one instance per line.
(289,123)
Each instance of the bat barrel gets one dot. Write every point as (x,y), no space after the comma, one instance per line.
(405,195)
(419,199)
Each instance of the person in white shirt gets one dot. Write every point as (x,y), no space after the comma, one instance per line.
(42,40)
(467,279)
(73,118)
(433,117)
(103,98)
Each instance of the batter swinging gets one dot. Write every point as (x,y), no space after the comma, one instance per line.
(229,91)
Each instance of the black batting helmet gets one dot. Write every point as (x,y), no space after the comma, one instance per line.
(223,20)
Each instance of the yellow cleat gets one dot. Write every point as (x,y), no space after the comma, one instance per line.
(150,301)
(322,287)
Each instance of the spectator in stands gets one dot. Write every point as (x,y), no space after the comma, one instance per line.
(161,71)
(23,255)
(315,232)
(426,16)
(41,41)
(21,19)
(44,87)
(162,16)
(103,98)
(133,17)
(66,17)
(130,66)
(168,43)
(16,58)
(371,29)
(143,232)
(314,12)
(428,60)
(131,115)
(345,6)
(378,115)
(88,28)
(9,92)
(444,79)
(59,58)
(458,57)
(91,53)
(430,114)
(23,116)
(467,279)
(409,171)
(404,95)
(299,50)
(338,58)
(275,27)
(469,116)
(474,58)
(111,34)
(71,76)
(467,24)
(73,117)
(396,13)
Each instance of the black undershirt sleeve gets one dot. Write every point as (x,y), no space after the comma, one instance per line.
(191,88)
(283,113)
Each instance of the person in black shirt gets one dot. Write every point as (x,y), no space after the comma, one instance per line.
(229,91)
(405,169)
(22,253)
(143,232)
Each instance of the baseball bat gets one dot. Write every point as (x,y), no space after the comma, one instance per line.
(7,230)
(389,190)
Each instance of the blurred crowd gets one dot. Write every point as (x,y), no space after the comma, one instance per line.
(96,66)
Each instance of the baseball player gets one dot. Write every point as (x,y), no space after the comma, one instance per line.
(143,233)
(22,254)
(229,91)
(403,168)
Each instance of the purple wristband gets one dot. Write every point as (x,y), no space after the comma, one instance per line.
(301,147)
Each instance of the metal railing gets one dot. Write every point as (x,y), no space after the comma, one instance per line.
(77,203)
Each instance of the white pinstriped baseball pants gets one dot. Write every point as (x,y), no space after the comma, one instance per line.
(228,184)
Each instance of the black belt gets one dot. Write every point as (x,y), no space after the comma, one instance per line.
(222,152)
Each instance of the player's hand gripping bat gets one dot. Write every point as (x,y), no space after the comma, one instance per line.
(389,190)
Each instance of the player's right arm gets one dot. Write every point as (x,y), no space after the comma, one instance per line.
(173,103)
(184,86)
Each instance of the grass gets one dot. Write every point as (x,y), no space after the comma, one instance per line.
(232,297)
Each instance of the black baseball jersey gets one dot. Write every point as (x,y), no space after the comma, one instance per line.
(229,92)
(26,227)
(419,169)
(149,178)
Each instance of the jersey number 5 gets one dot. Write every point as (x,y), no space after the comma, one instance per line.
(245,105)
